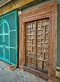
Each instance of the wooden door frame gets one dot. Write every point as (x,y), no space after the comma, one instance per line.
(48,10)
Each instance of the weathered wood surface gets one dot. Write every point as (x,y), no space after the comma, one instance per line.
(14,4)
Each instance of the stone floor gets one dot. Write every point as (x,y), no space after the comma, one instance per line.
(16,75)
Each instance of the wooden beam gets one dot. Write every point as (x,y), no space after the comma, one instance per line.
(3,2)
(14,5)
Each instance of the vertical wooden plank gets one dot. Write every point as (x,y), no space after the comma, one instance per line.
(22,46)
(53,46)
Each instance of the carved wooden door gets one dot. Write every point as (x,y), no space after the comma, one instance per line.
(37,44)
(38,41)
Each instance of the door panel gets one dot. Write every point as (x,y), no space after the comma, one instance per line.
(42,43)
(31,44)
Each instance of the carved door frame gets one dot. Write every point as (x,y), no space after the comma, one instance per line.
(48,10)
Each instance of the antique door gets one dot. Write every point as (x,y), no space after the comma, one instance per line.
(38,41)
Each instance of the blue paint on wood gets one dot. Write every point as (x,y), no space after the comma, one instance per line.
(9,38)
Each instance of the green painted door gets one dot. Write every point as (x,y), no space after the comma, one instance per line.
(9,38)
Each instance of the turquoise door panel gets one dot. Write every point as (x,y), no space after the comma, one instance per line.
(9,38)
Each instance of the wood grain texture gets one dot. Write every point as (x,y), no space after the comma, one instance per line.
(13,5)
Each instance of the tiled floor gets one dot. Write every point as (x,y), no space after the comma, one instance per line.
(16,75)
